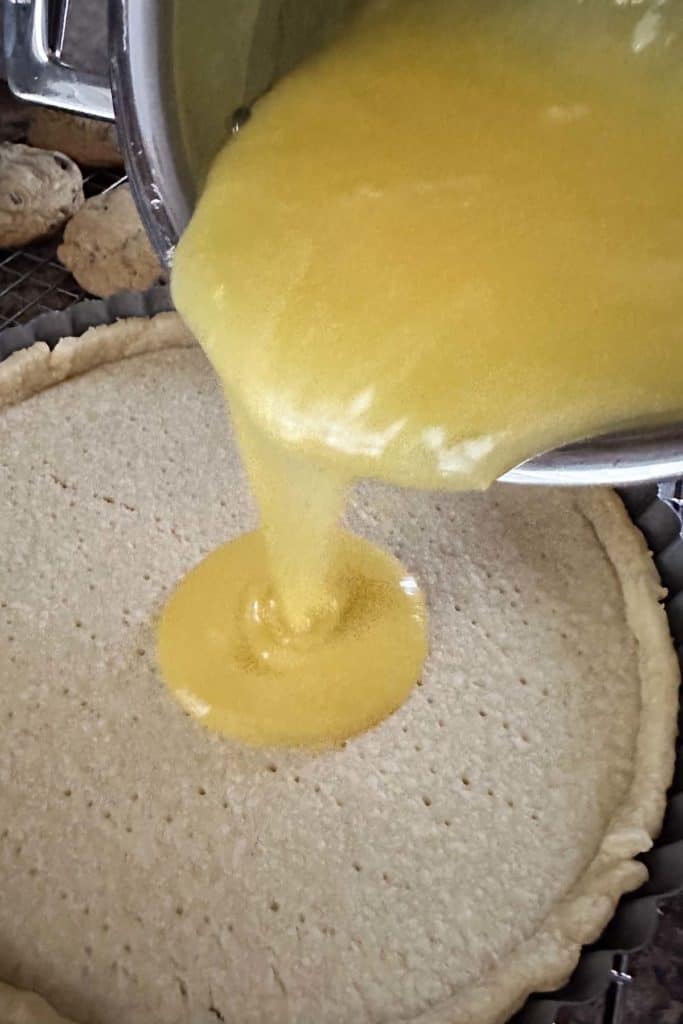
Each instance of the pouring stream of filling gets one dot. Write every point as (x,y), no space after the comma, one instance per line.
(436,249)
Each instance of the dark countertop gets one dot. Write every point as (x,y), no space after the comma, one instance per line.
(656,994)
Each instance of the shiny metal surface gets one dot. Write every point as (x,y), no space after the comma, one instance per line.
(170,131)
(147,113)
(175,103)
(628,457)
(34,37)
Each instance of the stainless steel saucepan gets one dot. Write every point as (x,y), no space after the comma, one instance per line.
(182,73)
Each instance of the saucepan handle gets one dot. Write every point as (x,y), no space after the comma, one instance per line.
(34,38)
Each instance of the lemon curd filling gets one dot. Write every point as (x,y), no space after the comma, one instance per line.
(435,249)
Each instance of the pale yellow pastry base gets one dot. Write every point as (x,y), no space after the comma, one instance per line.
(435,870)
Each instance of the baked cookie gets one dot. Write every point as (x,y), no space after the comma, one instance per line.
(106,248)
(86,140)
(434,870)
(39,191)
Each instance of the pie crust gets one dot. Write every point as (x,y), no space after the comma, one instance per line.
(544,957)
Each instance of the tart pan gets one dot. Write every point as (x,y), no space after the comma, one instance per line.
(657,510)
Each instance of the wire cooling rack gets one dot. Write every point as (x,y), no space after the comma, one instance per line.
(32,280)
